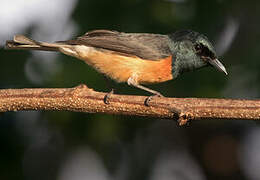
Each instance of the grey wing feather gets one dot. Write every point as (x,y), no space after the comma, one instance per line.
(143,45)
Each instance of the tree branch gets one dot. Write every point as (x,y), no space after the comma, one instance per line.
(83,99)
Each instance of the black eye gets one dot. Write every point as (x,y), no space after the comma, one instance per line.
(198,47)
(203,51)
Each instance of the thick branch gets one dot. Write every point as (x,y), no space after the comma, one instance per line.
(83,99)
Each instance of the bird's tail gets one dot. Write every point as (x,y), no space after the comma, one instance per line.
(22,42)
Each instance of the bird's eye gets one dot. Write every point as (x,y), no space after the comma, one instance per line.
(198,48)
(203,51)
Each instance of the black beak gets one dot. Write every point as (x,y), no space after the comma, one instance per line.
(218,65)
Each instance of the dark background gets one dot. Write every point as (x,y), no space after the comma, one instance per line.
(69,145)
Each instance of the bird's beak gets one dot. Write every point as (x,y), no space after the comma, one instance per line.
(218,65)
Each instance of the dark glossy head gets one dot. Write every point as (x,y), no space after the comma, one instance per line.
(193,51)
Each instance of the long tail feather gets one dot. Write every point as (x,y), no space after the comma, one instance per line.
(22,42)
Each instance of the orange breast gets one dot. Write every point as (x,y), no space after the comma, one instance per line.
(155,71)
(121,68)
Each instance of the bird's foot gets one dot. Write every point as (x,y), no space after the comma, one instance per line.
(108,96)
(150,98)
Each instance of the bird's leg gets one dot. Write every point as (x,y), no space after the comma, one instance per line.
(108,95)
(132,82)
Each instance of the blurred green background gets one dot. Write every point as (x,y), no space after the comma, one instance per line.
(69,145)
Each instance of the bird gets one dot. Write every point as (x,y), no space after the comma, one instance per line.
(134,58)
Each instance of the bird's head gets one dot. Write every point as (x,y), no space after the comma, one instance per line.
(193,50)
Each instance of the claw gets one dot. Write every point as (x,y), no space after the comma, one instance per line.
(150,98)
(108,96)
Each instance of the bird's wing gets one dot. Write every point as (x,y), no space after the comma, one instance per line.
(143,45)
